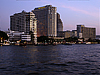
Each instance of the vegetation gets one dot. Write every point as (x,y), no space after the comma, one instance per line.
(70,39)
(3,36)
(43,39)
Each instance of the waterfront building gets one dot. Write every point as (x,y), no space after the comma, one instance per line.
(68,34)
(24,22)
(46,20)
(61,34)
(86,32)
(26,37)
(98,37)
(74,33)
(14,35)
(59,24)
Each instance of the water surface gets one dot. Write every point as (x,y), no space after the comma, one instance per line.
(50,60)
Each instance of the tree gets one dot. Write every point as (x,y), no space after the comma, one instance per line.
(42,39)
(74,39)
(3,36)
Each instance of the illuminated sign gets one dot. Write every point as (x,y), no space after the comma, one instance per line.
(41,7)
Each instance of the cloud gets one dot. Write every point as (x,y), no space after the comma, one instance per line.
(95,14)
(92,12)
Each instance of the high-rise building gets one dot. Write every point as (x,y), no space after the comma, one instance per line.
(59,24)
(46,20)
(24,22)
(85,32)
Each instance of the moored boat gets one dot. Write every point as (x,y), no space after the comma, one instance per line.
(23,43)
(6,43)
(67,44)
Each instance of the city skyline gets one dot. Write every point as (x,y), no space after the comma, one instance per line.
(72,12)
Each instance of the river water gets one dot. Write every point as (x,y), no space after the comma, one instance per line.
(50,60)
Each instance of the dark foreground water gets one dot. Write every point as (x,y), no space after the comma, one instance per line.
(50,60)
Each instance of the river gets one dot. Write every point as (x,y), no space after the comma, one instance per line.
(50,60)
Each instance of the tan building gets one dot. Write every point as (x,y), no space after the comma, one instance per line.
(68,34)
(86,32)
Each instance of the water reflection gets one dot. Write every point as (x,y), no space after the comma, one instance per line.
(50,60)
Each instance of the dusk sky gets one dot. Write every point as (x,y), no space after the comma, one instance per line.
(72,12)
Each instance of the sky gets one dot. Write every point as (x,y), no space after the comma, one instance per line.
(72,12)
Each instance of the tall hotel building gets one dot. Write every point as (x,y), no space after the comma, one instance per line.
(59,26)
(85,32)
(59,23)
(46,20)
(24,22)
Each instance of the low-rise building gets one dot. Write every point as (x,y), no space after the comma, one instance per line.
(74,33)
(86,32)
(68,34)
(98,37)
(61,34)
(14,35)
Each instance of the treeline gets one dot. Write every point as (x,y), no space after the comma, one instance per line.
(3,35)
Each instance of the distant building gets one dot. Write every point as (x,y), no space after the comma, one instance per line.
(85,32)
(46,20)
(98,37)
(61,34)
(74,33)
(59,24)
(68,34)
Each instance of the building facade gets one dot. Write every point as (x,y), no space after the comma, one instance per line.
(14,35)
(74,33)
(85,32)
(68,34)
(61,33)
(59,23)
(24,22)
(46,20)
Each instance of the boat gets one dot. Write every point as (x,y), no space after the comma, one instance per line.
(6,43)
(54,44)
(23,43)
(67,44)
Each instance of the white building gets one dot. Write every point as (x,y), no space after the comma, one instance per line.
(14,35)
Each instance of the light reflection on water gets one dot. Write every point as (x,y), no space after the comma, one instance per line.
(50,60)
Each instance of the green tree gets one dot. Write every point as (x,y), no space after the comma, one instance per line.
(43,39)
(3,36)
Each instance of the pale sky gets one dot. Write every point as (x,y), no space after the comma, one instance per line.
(72,12)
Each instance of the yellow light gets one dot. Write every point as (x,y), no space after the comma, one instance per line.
(41,7)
